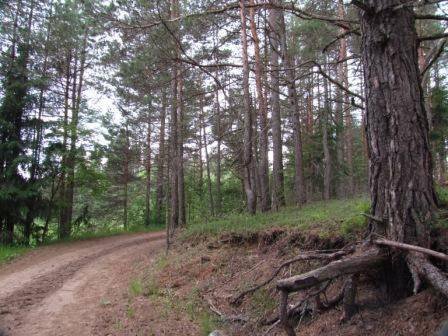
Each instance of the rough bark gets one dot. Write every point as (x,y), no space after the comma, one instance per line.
(428,271)
(401,181)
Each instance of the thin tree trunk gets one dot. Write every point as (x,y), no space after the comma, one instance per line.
(299,180)
(76,106)
(126,160)
(62,230)
(207,161)
(148,174)
(161,163)
(181,178)
(218,156)
(274,21)
(248,138)
(263,169)
(174,173)
(200,158)
(348,129)
(325,143)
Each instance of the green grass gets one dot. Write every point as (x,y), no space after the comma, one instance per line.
(8,253)
(135,288)
(335,216)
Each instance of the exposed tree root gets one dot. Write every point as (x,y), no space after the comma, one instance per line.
(435,277)
(349,297)
(416,257)
(306,256)
(284,316)
(350,265)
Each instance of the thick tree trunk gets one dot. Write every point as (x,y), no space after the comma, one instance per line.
(263,168)
(401,181)
(248,136)
(160,218)
(274,21)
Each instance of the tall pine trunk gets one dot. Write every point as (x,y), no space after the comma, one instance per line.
(160,218)
(207,160)
(345,105)
(181,132)
(62,229)
(401,180)
(263,168)
(288,64)
(76,106)
(248,177)
(148,173)
(174,147)
(325,141)
(274,21)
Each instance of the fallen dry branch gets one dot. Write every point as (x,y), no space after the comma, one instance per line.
(302,257)
(350,265)
(409,247)
(224,317)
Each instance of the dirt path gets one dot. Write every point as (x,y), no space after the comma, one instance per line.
(57,290)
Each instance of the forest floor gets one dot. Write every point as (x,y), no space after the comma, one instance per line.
(129,286)
(61,289)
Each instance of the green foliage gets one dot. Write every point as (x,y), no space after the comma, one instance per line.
(331,217)
(135,288)
(8,253)
(442,195)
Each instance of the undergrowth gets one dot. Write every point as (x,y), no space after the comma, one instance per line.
(7,253)
(326,217)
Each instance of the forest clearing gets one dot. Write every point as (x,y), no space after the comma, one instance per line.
(223,167)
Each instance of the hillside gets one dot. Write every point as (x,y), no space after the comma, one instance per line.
(190,289)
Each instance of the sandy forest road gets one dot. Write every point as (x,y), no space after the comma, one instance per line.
(57,290)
